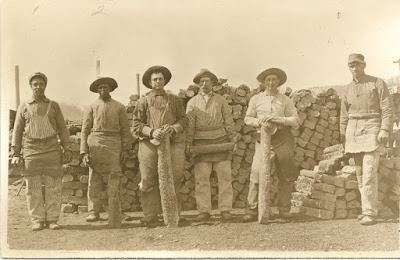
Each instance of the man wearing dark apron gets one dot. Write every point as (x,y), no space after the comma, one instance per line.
(158,114)
(41,122)
(105,141)
(272,106)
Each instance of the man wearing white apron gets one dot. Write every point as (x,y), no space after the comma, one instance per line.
(156,114)
(105,141)
(41,122)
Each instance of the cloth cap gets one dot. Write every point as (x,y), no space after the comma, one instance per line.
(356,58)
(38,75)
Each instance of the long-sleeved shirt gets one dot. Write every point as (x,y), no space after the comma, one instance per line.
(262,105)
(144,122)
(209,119)
(40,107)
(367,108)
(105,116)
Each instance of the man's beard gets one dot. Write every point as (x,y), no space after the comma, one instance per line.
(38,94)
(105,96)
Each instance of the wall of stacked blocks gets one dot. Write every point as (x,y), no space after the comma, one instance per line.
(327,187)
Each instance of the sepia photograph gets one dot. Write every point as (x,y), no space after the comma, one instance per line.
(200,129)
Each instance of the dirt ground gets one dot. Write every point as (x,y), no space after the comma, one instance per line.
(299,234)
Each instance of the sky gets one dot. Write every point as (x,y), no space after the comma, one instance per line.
(310,40)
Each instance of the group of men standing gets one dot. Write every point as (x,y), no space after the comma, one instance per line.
(366,122)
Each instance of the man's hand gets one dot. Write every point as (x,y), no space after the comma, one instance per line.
(85,159)
(383,137)
(67,156)
(16,160)
(124,156)
(158,134)
(169,129)
(264,120)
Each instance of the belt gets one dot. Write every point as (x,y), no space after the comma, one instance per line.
(42,139)
(364,116)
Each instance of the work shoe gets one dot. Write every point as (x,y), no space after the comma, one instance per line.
(285,215)
(203,216)
(226,215)
(149,219)
(249,218)
(36,226)
(367,220)
(52,225)
(360,217)
(93,217)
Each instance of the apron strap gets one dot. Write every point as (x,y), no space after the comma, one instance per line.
(29,108)
(48,108)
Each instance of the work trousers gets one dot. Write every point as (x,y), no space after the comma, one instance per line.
(113,191)
(367,176)
(202,172)
(148,158)
(47,207)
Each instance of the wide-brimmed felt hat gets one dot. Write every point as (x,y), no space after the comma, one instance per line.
(103,80)
(280,73)
(355,57)
(147,75)
(205,73)
(38,75)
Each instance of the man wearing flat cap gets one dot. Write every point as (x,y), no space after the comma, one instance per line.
(210,122)
(156,115)
(105,141)
(278,109)
(366,120)
(42,124)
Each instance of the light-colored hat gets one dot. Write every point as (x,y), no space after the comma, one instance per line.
(355,57)
(280,73)
(38,75)
(205,73)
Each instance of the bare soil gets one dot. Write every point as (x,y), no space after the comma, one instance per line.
(299,234)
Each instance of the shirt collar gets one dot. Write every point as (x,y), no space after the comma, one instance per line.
(108,100)
(359,80)
(32,100)
(210,94)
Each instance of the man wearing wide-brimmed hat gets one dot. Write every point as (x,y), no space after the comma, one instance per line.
(278,109)
(41,122)
(105,141)
(210,123)
(366,120)
(157,115)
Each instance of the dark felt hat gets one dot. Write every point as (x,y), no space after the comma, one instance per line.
(38,75)
(104,80)
(205,73)
(280,73)
(147,75)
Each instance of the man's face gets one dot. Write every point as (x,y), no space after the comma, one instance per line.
(38,85)
(357,69)
(103,90)
(206,85)
(271,82)
(157,81)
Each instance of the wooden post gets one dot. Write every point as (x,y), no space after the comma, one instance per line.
(138,83)
(17,98)
(98,69)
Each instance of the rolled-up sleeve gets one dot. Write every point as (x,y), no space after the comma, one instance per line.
(386,106)
(291,116)
(62,129)
(87,125)
(251,114)
(19,126)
